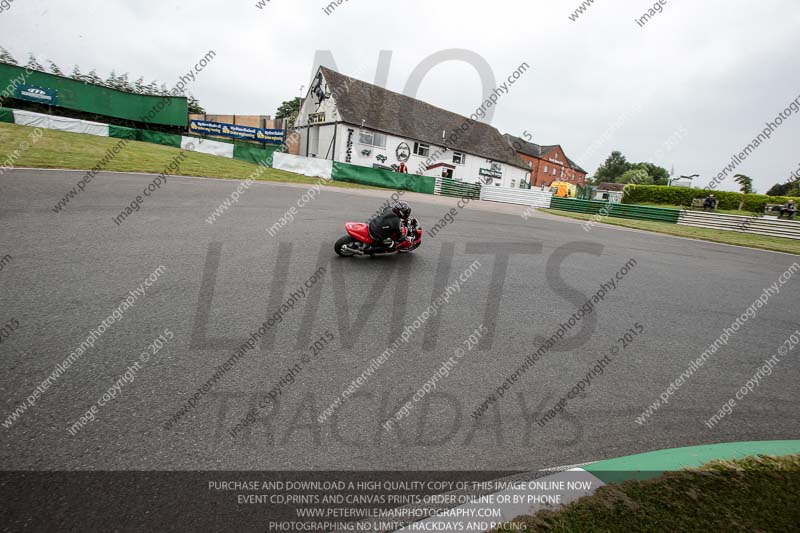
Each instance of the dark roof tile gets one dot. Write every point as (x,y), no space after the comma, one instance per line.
(535,150)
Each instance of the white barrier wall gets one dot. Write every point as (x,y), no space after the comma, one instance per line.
(74,125)
(530,197)
(765,225)
(207,146)
(307,166)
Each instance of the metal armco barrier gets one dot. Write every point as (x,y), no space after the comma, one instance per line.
(636,212)
(529,197)
(448,187)
(768,226)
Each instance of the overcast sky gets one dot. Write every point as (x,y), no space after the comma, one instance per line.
(715,70)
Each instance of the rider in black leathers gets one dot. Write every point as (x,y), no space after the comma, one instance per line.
(387,228)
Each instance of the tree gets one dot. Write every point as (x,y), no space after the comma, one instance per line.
(659,175)
(54,69)
(33,64)
(780,189)
(123,84)
(92,77)
(615,166)
(111,81)
(138,86)
(289,110)
(637,176)
(745,183)
(152,88)
(5,57)
(195,107)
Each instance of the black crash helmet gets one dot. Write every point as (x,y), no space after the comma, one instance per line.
(402,209)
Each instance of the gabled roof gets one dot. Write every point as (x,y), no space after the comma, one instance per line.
(403,116)
(614,187)
(535,150)
(575,166)
(524,147)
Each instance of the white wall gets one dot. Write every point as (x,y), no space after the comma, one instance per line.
(51,122)
(207,146)
(307,166)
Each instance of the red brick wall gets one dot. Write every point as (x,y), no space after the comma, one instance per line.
(539,177)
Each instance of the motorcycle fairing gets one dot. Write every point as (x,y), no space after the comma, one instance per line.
(359,231)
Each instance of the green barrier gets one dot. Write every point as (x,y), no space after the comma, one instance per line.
(157,137)
(72,94)
(636,212)
(253,153)
(121,132)
(383,178)
(460,190)
(6,115)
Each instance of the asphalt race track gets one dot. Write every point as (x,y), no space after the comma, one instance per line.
(70,270)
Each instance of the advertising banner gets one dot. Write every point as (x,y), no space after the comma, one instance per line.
(41,95)
(204,127)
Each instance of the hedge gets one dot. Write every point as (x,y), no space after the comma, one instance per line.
(661,194)
(757,202)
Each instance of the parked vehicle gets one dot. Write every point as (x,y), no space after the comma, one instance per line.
(562,189)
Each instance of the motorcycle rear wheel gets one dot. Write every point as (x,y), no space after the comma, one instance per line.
(347,240)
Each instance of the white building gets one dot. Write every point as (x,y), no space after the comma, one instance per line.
(350,121)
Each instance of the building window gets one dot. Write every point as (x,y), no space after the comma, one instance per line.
(422,149)
(512,183)
(545,169)
(459,158)
(554,171)
(372,139)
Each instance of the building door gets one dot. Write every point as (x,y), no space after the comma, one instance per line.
(313,142)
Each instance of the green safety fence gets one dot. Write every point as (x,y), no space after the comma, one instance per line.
(60,91)
(459,189)
(253,153)
(167,139)
(584,193)
(121,132)
(637,212)
(6,115)
(383,178)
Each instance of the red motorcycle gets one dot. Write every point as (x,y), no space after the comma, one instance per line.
(358,241)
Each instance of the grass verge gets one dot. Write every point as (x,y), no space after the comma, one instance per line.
(763,242)
(750,494)
(79,151)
